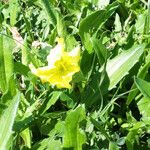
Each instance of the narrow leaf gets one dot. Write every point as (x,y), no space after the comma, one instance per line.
(7,121)
(14,9)
(9,45)
(100,50)
(2,66)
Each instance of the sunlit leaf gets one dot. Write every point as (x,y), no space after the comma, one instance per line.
(7,121)
(143,86)
(119,66)
(74,136)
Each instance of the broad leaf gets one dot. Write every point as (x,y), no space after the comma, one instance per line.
(119,66)
(74,137)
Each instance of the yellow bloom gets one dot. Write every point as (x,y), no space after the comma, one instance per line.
(61,66)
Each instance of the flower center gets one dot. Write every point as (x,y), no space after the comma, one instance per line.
(62,67)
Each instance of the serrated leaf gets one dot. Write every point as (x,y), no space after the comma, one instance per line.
(119,66)
(7,121)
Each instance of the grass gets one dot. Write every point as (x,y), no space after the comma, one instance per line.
(107,106)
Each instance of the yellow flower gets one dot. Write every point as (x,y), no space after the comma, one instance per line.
(61,66)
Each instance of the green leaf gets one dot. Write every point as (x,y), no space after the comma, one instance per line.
(61,30)
(100,50)
(139,25)
(144,108)
(54,144)
(130,139)
(7,121)
(48,143)
(141,74)
(93,22)
(8,57)
(100,128)
(86,62)
(113,146)
(28,116)
(21,69)
(143,86)
(130,38)
(26,54)
(14,10)
(25,134)
(74,137)
(119,66)
(2,66)
(118,27)
(47,6)
(147,21)
(55,96)
(6,61)
(10,92)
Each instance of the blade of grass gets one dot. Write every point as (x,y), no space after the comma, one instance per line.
(2,66)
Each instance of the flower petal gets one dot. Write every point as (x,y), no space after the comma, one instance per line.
(75,52)
(56,53)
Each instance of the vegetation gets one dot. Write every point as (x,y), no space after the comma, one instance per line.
(74,74)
